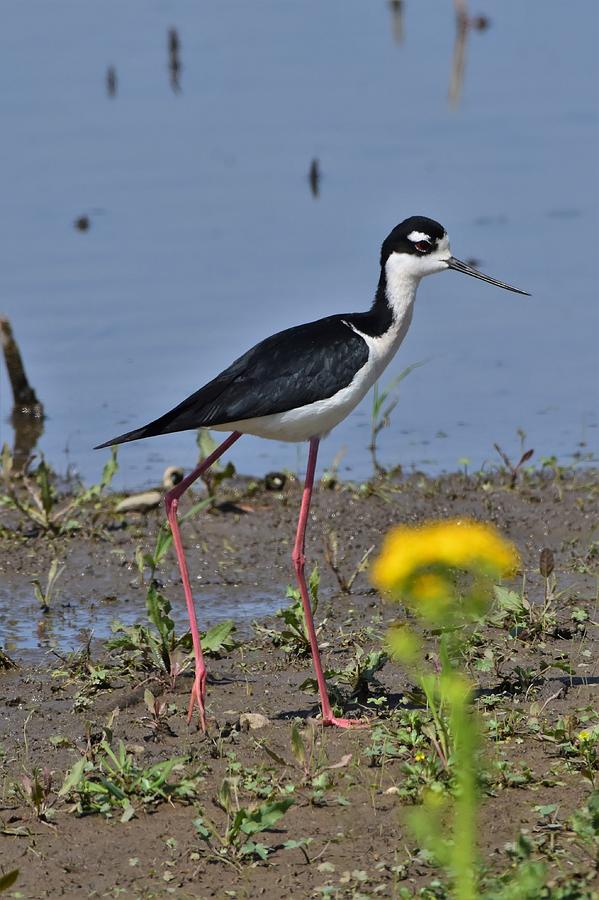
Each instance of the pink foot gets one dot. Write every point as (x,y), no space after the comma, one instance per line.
(198,695)
(345,723)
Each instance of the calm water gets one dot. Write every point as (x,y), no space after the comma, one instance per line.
(205,236)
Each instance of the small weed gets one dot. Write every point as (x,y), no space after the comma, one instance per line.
(114,782)
(36,497)
(157,720)
(384,401)
(357,682)
(161,647)
(585,825)
(78,668)
(217,473)
(293,638)
(514,470)
(579,746)
(44,596)
(521,618)
(7,879)
(237,839)
(331,548)
(35,789)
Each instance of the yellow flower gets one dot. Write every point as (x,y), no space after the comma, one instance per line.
(584,735)
(419,757)
(418,558)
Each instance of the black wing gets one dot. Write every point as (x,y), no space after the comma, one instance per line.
(287,370)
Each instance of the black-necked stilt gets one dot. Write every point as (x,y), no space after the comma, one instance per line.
(296,386)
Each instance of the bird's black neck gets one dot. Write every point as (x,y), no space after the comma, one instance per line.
(380,317)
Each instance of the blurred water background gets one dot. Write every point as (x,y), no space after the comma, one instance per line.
(205,234)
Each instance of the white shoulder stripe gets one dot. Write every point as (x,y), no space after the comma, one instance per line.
(353,327)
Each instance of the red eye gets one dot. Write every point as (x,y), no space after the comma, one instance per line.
(423,246)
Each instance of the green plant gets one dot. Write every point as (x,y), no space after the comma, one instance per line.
(420,566)
(331,548)
(44,596)
(512,469)
(36,790)
(318,774)
(114,782)
(293,638)
(521,618)
(359,676)
(384,401)
(217,473)
(39,500)
(578,746)
(380,415)
(161,647)
(8,879)
(585,825)
(78,668)
(243,823)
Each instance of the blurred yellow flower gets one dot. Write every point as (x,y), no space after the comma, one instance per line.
(417,559)
(584,735)
(419,757)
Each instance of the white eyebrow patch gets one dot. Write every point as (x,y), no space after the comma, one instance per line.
(416,236)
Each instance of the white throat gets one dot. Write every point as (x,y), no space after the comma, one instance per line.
(403,278)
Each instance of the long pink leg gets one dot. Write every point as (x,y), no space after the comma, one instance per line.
(171,502)
(299,560)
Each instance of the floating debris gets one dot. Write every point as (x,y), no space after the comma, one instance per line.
(396,7)
(149,500)
(111,81)
(314,177)
(174,60)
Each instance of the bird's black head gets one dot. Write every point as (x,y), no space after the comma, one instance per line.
(416,235)
(419,246)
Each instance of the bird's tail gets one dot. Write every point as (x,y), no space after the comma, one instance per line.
(145,431)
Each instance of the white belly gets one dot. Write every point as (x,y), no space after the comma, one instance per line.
(317,419)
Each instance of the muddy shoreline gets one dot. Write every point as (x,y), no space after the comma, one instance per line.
(346,824)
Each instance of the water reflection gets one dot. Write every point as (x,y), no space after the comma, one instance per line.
(463,26)
(314,177)
(396,7)
(27,417)
(174,61)
(111,81)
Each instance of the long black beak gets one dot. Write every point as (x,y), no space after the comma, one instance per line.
(460,266)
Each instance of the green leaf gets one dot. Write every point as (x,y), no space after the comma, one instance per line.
(251,849)
(217,639)
(110,469)
(265,816)
(73,776)
(201,829)
(158,613)
(196,508)
(293,845)
(42,476)
(128,813)
(111,788)
(164,540)
(8,879)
